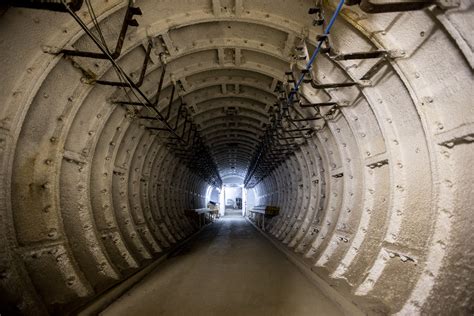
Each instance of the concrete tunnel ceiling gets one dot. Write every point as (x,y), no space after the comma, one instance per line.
(377,197)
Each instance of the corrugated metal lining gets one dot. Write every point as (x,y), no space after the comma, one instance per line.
(377,201)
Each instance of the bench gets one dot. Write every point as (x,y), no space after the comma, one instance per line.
(214,208)
(260,212)
(201,216)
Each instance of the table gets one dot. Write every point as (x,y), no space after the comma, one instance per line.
(261,211)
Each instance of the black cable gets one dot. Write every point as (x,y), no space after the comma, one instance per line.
(95,21)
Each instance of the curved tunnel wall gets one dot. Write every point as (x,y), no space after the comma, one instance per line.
(378,202)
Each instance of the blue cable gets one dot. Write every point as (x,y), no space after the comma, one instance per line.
(316,52)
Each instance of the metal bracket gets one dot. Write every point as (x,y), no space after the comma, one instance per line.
(127,21)
(371,6)
(146,61)
(361,55)
(59,6)
(311,105)
(333,85)
(318,13)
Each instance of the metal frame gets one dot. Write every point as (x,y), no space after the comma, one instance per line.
(197,157)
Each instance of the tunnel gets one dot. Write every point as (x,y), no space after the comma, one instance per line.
(354,118)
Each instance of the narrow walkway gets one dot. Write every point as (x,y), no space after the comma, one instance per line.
(229,269)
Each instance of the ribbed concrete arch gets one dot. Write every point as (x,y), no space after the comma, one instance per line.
(377,201)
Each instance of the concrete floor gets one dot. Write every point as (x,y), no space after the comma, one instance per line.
(229,269)
(233,212)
